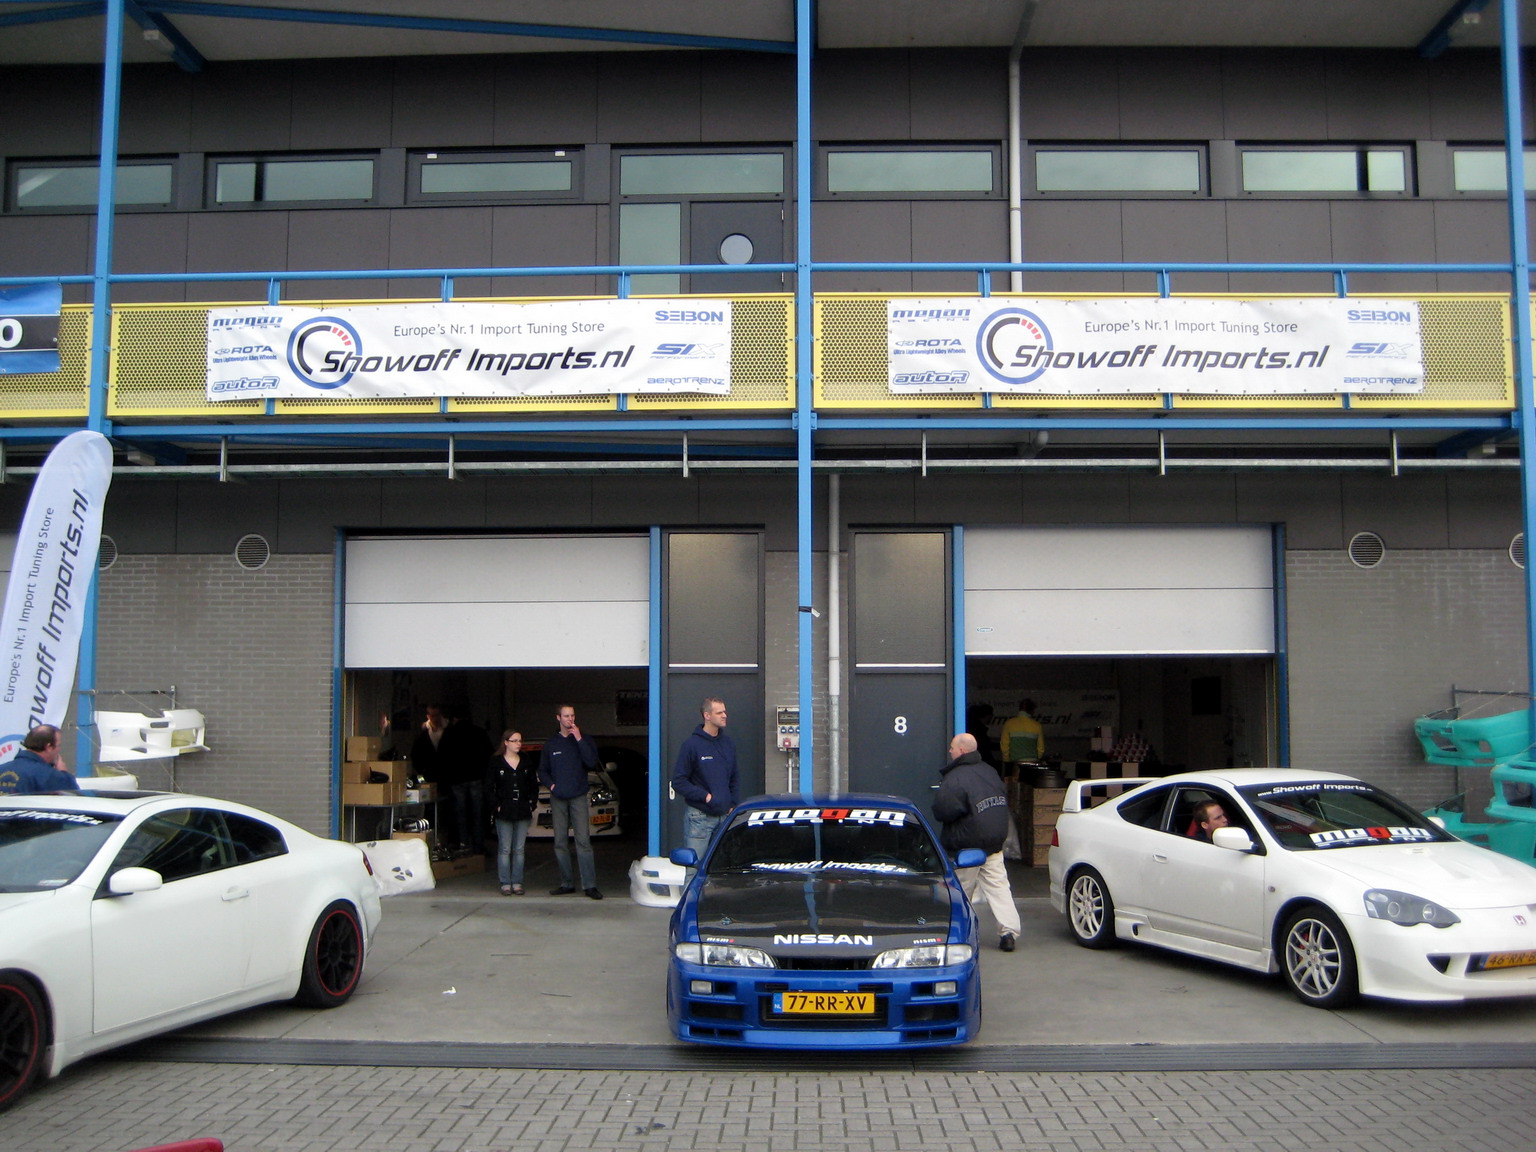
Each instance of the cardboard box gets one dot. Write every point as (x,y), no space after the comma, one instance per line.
(373,794)
(358,771)
(364,747)
(424,836)
(462,866)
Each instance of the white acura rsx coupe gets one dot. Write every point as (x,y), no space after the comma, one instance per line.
(125,914)
(1342,888)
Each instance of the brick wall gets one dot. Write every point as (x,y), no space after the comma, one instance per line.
(1373,648)
(251,650)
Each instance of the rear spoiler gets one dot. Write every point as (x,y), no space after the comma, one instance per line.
(1074,800)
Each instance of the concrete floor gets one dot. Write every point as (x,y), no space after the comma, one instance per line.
(464,964)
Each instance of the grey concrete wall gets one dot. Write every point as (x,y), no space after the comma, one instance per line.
(251,650)
(1373,648)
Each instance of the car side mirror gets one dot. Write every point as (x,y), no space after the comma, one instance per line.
(684,857)
(970,858)
(1237,839)
(127,881)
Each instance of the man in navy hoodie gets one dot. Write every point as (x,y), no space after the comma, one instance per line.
(563,766)
(705,776)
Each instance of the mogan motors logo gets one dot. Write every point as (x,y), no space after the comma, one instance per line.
(1009,345)
(324,352)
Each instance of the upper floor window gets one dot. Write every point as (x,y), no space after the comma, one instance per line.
(1485,170)
(1112,171)
(295,181)
(702,174)
(501,175)
(911,171)
(1336,171)
(67,184)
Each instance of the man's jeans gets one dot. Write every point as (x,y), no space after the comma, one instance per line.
(574,815)
(698,829)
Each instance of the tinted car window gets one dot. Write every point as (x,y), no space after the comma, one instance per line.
(1338,814)
(42,849)
(1146,809)
(186,842)
(848,840)
(253,839)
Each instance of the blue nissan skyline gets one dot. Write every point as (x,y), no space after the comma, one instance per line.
(824,922)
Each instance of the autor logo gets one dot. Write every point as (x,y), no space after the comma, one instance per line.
(1014,345)
(324,352)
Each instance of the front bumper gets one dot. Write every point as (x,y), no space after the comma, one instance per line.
(909,1012)
(1441,964)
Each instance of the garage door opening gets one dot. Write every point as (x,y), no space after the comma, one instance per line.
(1165,714)
(611,707)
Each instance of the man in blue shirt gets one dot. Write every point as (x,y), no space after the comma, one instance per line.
(38,767)
(705,776)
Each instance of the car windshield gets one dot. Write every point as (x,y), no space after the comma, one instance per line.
(849,841)
(42,848)
(1338,814)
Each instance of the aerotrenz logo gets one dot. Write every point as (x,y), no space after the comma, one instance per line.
(324,352)
(1009,345)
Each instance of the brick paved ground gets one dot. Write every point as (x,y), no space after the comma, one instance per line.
(115,1106)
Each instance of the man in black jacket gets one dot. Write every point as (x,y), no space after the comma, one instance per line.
(972,810)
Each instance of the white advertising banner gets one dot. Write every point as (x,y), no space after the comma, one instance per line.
(566,348)
(1221,347)
(50,576)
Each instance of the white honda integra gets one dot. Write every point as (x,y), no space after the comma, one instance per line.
(1339,886)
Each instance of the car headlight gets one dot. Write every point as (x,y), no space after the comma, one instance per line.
(926,956)
(1405,908)
(724,955)
(600,796)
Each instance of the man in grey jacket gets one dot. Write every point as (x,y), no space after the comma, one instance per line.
(972,810)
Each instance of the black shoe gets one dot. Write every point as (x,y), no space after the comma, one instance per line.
(1007,941)
(594,893)
(563,890)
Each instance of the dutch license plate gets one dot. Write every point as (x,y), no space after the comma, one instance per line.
(602,818)
(1509,960)
(824,1003)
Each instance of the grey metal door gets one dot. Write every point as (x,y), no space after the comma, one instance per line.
(898,733)
(736,232)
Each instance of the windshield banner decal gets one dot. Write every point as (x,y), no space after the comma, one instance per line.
(563,348)
(1137,345)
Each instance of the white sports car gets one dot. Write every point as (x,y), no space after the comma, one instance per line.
(124,914)
(1342,888)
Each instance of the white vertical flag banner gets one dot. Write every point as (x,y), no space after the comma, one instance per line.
(50,577)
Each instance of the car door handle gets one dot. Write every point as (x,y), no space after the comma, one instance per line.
(1159,857)
(235,894)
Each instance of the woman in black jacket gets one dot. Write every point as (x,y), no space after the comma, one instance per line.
(512,789)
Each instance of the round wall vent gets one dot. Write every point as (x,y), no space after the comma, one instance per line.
(1366,549)
(106,554)
(1517,550)
(253,552)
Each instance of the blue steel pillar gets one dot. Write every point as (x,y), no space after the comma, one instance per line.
(101,344)
(805,415)
(1520,306)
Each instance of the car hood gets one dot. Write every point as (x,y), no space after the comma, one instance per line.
(1456,875)
(824,915)
(10,901)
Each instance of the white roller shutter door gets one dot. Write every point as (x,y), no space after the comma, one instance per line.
(1095,591)
(498,602)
